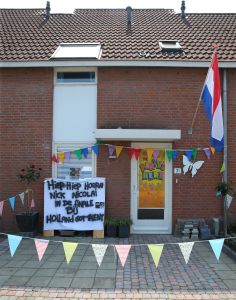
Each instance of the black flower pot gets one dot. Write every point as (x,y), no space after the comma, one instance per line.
(124,231)
(27,222)
(111,230)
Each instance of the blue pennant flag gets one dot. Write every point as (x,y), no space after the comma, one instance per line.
(95,149)
(175,154)
(189,154)
(216,246)
(12,202)
(14,241)
(85,152)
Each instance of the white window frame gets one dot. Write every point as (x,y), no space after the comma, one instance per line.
(75,69)
(74,146)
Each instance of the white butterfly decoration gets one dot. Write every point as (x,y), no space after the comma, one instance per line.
(190,166)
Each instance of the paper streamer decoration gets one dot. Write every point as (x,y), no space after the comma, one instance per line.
(189,154)
(207,152)
(41,246)
(137,153)
(156,251)
(186,249)
(213,150)
(118,150)
(61,157)
(111,150)
(169,155)
(32,203)
(228,200)
(69,249)
(22,197)
(149,154)
(85,152)
(216,246)
(175,154)
(1,207)
(123,252)
(54,158)
(95,149)
(12,202)
(67,155)
(78,153)
(194,153)
(222,168)
(99,251)
(14,241)
(155,154)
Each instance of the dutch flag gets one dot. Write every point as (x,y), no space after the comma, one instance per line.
(211,97)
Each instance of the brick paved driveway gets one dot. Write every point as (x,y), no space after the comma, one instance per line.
(24,277)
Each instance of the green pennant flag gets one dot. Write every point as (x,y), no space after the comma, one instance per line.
(78,153)
(194,153)
(169,154)
(156,251)
(69,249)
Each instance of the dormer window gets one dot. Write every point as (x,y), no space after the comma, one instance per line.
(77,51)
(169,45)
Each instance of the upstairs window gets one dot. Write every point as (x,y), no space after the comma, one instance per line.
(67,77)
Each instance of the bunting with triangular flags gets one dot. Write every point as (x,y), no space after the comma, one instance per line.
(189,154)
(12,202)
(54,158)
(99,252)
(155,154)
(149,154)
(175,154)
(111,150)
(207,152)
(123,252)
(156,251)
(78,153)
(85,152)
(22,197)
(14,241)
(67,155)
(61,157)
(169,154)
(1,207)
(131,152)
(216,246)
(118,150)
(186,249)
(194,153)
(222,168)
(32,203)
(41,246)
(137,153)
(213,150)
(69,249)
(95,149)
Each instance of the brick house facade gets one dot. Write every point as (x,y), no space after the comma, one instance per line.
(141,96)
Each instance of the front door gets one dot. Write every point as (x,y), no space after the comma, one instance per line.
(151,189)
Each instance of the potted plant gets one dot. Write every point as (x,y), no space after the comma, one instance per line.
(223,188)
(27,221)
(124,227)
(111,227)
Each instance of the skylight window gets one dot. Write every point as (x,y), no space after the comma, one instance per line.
(78,51)
(169,45)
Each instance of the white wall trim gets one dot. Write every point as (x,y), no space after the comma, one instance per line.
(114,63)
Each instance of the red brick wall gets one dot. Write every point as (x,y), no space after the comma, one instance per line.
(26,133)
(162,98)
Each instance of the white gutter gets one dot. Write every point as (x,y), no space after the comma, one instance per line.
(113,63)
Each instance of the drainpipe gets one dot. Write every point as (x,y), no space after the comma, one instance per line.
(225,176)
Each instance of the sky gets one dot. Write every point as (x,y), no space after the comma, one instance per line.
(192,6)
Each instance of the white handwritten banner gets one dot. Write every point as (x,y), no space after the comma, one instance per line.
(74,205)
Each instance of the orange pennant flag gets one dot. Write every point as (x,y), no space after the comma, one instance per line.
(213,150)
(61,157)
(118,150)
(149,154)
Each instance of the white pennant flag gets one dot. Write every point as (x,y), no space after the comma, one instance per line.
(99,251)
(22,197)
(186,249)
(228,200)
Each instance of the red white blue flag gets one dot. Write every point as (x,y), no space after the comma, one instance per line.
(211,97)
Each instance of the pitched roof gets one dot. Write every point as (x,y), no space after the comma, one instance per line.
(26,35)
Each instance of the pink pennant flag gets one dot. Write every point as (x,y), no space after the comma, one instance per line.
(41,246)
(207,152)
(32,204)
(123,252)
(1,207)
(155,154)
(111,150)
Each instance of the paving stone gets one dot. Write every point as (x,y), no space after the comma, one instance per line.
(33,264)
(231,284)
(226,274)
(108,266)
(3,279)
(106,273)
(51,265)
(66,272)
(71,265)
(7,271)
(39,281)
(88,266)
(86,273)
(15,264)
(45,272)
(88,258)
(60,282)
(82,283)
(220,267)
(104,283)
(56,257)
(17,281)
(25,272)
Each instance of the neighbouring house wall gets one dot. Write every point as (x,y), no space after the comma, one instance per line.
(26,97)
(159,98)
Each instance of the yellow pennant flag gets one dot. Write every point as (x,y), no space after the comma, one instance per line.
(213,150)
(61,157)
(149,154)
(69,249)
(222,168)
(118,150)
(156,251)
